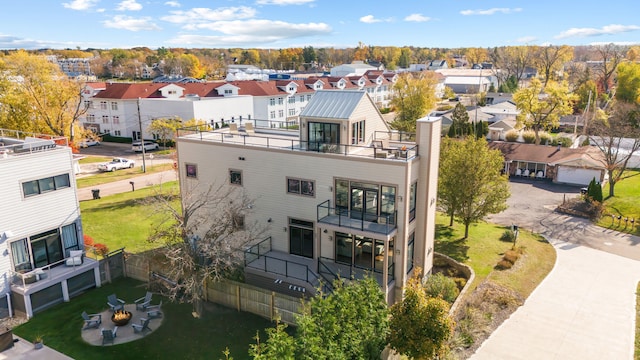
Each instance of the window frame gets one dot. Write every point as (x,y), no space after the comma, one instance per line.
(235,177)
(297,186)
(411,251)
(191,170)
(413,192)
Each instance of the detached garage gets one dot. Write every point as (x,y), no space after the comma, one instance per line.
(578,171)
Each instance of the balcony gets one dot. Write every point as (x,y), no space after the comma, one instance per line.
(29,282)
(357,220)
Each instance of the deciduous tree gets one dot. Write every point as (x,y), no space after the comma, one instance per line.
(628,89)
(541,107)
(201,240)
(470,183)
(414,97)
(550,59)
(420,326)
(38,92)
(618,139)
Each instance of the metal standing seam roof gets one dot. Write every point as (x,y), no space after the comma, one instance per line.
(333,104)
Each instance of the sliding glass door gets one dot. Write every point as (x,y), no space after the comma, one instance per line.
(46,248)
(322,135)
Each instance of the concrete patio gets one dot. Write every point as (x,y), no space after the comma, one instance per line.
(125,333)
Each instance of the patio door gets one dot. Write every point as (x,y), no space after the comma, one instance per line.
(46,248)
(321,135)
(364,203)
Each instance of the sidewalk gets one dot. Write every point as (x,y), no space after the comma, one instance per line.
(121,186)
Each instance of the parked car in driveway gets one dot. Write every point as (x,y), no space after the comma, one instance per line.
(116,164)
(88,142)
(148,146)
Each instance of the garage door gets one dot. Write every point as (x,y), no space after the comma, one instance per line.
(578,176)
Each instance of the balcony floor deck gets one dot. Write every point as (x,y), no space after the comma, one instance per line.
(53,275)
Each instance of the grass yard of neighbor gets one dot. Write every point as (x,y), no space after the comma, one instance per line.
(124,174)
(181,336)
(122,220)
(625,203)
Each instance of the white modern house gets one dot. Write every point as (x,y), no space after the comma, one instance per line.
(355,68)
(468,81)
(342,195)
(42,261)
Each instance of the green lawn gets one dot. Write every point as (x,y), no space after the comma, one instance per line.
(122,220)
(180,337)
(483,249)
(625,203)
(90,159)
(107,177)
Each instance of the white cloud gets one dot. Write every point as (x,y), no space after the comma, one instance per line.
(490,11)
(129,5)
(245,32)
(417,18)
(80,4)
(172,3)
(526,39)
(370,19)
(198,15)
(283,2)
(605,30)
(124,22)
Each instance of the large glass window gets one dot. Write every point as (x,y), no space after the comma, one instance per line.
(301,237)
(35,187)
(388,204)
(46,248)
(362,252)
(410,251)
(70,238)
(366,201)
(322,135)
(412,201)
(357,132)
(20,255)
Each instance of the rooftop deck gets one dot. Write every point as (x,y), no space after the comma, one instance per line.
(15,143)
(385,146)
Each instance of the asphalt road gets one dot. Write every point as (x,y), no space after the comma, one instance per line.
(532,206)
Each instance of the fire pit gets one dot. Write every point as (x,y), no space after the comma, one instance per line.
(121,317)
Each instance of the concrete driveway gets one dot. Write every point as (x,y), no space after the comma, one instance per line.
(585,308)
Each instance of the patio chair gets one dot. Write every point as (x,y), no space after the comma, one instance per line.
(75,258)
(248,128)
(233,129)
(144,302)
(142,327)
(108,335)
(114,303)
(91,320)
(154,311)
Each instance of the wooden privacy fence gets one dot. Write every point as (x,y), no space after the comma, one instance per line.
(255,300)
(236,295)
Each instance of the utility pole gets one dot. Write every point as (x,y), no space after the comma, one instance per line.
(144,164)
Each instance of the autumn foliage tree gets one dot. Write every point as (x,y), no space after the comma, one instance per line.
(420,326)
(542,106)
(414,97)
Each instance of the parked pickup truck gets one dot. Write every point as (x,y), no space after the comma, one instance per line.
(116,164)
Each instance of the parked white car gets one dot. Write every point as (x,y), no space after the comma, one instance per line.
(89,142)
(148,146)
(116,164)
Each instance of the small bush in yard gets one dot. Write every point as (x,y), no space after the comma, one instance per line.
(440,286)
(508,236)
(511,256)
(100,249)
(529,137)
(511,136)
(504,265)
(88,240)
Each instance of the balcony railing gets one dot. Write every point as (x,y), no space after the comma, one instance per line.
(397,152)
(48,272)
(256,258)
(359,220)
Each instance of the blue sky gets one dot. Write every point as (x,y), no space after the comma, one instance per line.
(32,24)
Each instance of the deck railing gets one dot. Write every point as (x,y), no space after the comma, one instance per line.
(24,278)
(384,224)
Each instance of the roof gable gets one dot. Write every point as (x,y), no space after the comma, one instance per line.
(332,104)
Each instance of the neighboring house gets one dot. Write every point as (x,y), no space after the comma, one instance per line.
(40,226)
(494,98)
(437,65)
(355,68)
(561,165)
(499,129)
(127,109)
(500,111)
(342,194)
(468,81)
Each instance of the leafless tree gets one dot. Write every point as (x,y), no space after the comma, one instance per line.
(610,56)
(618,139)
(203,238)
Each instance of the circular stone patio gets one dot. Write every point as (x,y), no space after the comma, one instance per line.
(125,333)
